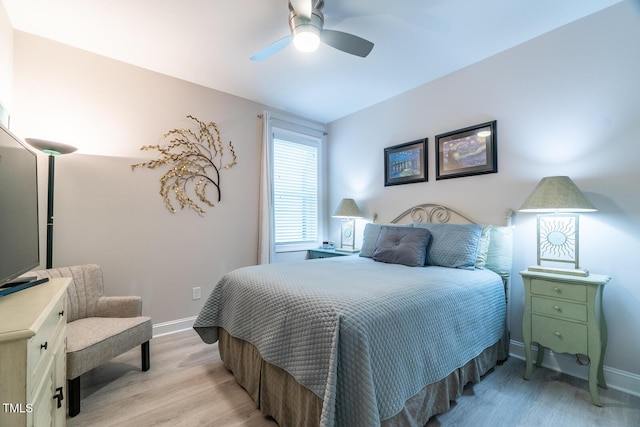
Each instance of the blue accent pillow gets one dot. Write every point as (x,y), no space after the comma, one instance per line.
(453,245)
(483,247)
(402,245)
(499,255)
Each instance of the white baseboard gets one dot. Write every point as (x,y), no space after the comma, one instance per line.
(173,326)
(617,379)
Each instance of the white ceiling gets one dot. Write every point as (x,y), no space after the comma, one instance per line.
(209,42)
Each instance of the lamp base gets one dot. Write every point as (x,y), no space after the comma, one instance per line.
(568,271)
(349,250)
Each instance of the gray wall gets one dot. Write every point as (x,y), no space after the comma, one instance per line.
(567,103)
(106,213)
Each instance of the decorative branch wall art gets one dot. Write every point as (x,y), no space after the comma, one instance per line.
(196,160)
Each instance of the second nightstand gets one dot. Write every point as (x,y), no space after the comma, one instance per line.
(564,313)
(327,253)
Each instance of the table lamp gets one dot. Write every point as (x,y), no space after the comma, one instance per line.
(348,211)
(557,200)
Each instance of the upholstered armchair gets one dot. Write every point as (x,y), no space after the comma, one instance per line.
(99,328)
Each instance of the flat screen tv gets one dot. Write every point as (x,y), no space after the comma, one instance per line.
(19,230)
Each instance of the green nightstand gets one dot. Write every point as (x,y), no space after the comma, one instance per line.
(564,313)
(327,253)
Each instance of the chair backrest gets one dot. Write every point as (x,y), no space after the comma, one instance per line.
(83,292)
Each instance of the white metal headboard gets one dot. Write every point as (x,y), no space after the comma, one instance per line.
(431,212)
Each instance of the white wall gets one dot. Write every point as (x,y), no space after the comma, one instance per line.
(567,103)
(107,214)
(6,59)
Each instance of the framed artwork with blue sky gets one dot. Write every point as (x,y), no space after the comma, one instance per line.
(469,151)
(406,163)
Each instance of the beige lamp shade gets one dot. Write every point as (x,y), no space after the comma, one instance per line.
(557,194)
(347,209)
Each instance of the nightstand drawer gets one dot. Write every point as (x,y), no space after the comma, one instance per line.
(327,253)
(559,308)
(559,290)
(559,335)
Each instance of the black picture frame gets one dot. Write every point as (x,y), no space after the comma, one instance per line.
(465,152)
(406,163)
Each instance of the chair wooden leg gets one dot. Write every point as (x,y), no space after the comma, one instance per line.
(73,394)
(146,360)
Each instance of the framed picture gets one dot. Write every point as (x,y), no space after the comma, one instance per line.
(406,163)
(468,151)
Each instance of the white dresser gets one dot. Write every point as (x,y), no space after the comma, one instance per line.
(33,362)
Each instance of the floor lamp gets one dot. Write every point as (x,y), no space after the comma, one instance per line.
(52,149)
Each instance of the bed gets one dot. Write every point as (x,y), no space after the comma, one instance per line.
(389,337)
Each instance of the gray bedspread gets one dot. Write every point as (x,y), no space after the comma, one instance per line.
(363,336)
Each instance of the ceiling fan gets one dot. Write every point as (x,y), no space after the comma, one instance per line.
(306,21)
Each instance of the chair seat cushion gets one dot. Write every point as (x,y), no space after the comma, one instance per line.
(93,341)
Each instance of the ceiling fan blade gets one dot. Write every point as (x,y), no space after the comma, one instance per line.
(302,7)
(272,49)
(346,42)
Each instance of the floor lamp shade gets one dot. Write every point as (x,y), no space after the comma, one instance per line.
(52,149)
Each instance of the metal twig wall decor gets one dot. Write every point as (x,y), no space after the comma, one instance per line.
(196,160)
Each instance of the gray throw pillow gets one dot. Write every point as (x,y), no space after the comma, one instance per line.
(402,245)
(370,238)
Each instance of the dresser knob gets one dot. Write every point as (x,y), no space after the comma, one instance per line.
(59,396)
(556,290)
(556,308)
(558,334)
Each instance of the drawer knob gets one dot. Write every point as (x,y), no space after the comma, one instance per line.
(556,290)
(44,346)
(556,308)
(61,313)
(558,334)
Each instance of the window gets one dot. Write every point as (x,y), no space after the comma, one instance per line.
(297,197)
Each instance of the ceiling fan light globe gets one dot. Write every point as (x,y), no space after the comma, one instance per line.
(306,40)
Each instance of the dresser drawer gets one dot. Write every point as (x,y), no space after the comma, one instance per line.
(559,308)
(28,319)
(560,335)
(41,345)
(559,290)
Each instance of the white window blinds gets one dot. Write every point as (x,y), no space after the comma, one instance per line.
(295,188)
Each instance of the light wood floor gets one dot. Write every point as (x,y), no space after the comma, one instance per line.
(188,386)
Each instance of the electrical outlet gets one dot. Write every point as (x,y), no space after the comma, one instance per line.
(196,293)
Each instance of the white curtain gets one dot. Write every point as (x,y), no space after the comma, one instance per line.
(266,245)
